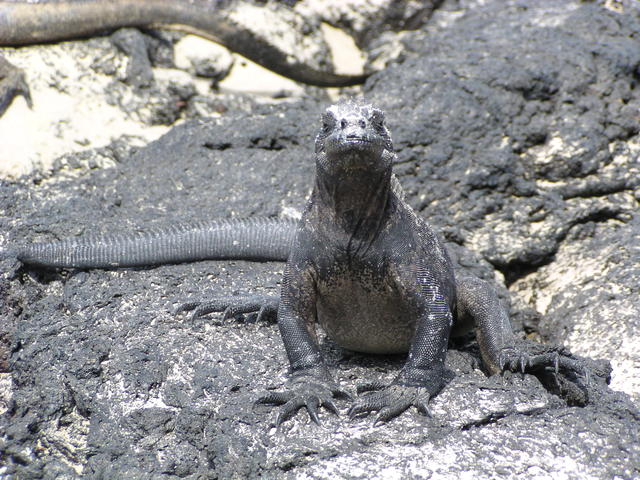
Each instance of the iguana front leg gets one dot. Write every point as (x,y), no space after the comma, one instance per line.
(311,385)
(423,375)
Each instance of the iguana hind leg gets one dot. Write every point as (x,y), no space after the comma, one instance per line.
(501,350)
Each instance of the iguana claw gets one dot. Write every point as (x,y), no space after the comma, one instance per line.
(557,358)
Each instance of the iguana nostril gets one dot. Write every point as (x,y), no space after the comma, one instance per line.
(343,124)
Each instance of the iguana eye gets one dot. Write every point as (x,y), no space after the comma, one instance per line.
(328,122)
(377,117)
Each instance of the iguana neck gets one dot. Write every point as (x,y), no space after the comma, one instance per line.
(357,201)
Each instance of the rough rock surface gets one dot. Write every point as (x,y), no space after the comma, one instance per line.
(532,140)
(517,135)
(366,19)
(132,94)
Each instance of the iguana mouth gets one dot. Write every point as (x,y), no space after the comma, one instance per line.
(357,140)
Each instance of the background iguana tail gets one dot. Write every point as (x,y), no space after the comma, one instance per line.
(26,23)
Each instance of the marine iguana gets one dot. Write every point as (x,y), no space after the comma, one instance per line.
(360,263)
(27,23)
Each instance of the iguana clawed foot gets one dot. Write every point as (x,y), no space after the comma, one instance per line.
(541,358)
(312,390)
(261,307)
(555,367)
(389,401)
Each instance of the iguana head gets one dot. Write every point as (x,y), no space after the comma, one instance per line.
(353,137)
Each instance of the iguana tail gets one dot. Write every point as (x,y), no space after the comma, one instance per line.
(253,238)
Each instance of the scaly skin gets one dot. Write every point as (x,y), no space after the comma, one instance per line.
(252,238)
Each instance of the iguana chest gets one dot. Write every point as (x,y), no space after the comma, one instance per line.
(361,308)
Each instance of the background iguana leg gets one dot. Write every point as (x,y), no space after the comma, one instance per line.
(12,84)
